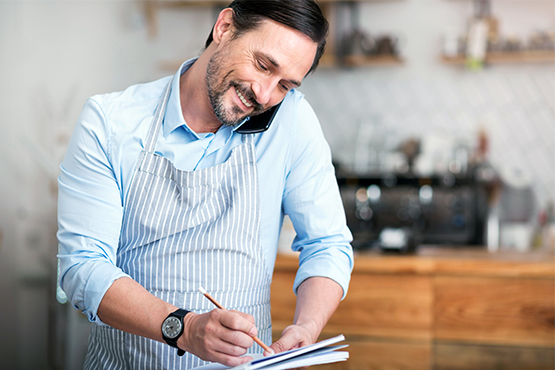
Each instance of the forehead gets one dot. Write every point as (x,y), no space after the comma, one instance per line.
(289,48)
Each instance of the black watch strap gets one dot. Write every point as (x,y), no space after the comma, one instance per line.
(180,314)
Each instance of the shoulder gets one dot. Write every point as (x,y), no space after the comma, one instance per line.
(109,119)
(132,97)
(296,116)
(296,131)
(119,114)
(305,125)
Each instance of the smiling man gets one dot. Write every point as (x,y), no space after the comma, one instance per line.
(171,185)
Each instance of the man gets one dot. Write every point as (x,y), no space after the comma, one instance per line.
(162,191)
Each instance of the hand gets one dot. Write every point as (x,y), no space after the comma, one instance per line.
(294,336)
(219,336)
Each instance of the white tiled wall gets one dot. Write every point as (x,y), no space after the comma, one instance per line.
(515,105)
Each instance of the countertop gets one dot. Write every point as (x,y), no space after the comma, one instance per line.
(451,260)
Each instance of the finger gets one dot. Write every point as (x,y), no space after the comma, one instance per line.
(245,315)
(220,331)
(226,347)
(235,321)
(230,361)
(203,338)
(237,338)
(285,343)
(269,353)
(290,338)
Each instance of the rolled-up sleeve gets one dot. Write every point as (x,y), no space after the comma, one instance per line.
(89,214)
(313,203)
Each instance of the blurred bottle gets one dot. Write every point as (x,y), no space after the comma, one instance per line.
(482,33)
(538,239)
(549,228)
(477,44)
(544,233)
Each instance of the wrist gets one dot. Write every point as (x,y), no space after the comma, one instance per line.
(185,340)
(311,327)
(173,327)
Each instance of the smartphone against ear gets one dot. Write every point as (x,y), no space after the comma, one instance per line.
(260,122)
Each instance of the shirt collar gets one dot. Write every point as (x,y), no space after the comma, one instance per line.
(174,115)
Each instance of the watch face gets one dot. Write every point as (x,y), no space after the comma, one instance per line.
(172,327)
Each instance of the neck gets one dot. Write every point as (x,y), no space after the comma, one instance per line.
(195,104)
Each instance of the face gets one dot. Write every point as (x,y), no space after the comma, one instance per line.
(253,72)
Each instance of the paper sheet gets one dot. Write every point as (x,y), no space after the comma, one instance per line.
(315,354)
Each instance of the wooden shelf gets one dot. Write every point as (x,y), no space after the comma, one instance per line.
(508,58)
(329,59)
(181,3)
(378,60)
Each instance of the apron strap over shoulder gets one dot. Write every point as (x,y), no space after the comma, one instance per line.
(155,126)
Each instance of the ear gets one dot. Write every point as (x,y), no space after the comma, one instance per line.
(224,26)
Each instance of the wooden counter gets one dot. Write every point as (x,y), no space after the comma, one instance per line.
(442,308)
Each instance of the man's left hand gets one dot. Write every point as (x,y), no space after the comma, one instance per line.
(294,336)
(317,299)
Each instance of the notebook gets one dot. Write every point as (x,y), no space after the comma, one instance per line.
(316,354)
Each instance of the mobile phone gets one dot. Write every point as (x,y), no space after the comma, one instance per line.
(259,123)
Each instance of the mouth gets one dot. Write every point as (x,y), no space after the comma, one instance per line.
(243,99)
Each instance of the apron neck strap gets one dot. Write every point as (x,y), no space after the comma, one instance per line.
(157,120)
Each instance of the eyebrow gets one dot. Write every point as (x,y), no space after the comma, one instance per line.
(276,64)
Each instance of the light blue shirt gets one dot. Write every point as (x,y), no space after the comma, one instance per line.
(296,177)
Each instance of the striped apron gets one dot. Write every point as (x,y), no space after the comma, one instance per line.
(182,230)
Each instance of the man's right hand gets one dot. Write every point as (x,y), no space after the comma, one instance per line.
(218,336)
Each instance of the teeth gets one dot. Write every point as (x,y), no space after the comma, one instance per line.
(243,98)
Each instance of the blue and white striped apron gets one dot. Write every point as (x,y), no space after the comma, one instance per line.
(182,230)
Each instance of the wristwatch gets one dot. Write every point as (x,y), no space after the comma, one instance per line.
(172,328)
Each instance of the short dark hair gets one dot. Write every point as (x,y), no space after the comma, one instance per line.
(302,15)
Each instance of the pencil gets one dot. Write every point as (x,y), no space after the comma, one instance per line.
(217,304)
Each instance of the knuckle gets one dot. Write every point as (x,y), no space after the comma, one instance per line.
(279,346)
(235,322)
(207,343)
(237,338)
(209,329)
(215,314)
(235,351)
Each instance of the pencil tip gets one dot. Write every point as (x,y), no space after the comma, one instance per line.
(201,289)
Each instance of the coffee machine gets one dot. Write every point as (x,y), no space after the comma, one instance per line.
(396,211)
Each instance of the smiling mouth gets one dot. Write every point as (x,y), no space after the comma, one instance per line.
(242,98)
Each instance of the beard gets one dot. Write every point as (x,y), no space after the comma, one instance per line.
(218,84)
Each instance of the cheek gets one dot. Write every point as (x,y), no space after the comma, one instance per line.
(277,98)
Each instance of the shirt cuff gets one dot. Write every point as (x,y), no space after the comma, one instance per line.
(90,286)
(336,266)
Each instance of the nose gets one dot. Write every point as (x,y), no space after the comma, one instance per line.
(264,90)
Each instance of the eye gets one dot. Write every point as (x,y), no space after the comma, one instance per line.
(284,87)
(262,66)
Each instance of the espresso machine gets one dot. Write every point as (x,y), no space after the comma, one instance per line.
(401,211)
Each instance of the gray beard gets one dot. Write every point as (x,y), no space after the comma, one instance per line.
(216,94)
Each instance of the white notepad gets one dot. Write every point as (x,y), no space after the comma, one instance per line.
(315,354)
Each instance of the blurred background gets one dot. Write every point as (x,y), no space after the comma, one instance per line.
(440,115)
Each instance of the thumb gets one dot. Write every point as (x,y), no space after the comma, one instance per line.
(280,346)
(287,341)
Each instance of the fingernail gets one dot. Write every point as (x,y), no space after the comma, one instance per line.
(253,332)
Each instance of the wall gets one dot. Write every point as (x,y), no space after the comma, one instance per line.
(514,104)
(55,54)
